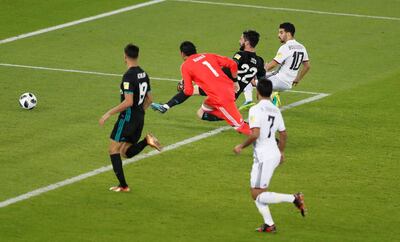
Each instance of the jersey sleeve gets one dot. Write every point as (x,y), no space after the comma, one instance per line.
(236,57)
(280,123)
(224,61)
(254,118)
(260,68)
(187,80)
(128,84)
(282,54)
(228,73)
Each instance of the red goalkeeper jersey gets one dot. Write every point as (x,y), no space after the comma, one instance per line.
(205,70)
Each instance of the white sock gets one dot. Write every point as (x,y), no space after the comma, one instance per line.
(272,197)
(265,213)
(166,106)
(248,93)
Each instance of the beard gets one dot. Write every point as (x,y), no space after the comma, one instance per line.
(241,47)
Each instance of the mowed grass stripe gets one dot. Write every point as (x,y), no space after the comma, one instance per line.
(120,75)
(139,157)
(292,10)
(76,22)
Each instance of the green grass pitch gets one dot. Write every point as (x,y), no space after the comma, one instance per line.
(342,153)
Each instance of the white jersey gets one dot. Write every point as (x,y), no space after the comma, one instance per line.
(268,118)
(290,56)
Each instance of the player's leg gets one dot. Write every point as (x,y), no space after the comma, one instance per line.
(117,167)
(129,150)
(133,134)
(114,151)
(228,112)
(231,114)
(248,95)
(179,98)
(278,85)
(234,119)
(260,177)
(202,114)
(259,183)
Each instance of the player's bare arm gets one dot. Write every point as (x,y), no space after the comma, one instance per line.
(117,109)
(271,65)
(147,101)
(255,133)
(282,144)
(306,67)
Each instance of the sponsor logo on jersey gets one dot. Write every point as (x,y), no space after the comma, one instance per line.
(141,75)
(254,61)
(126,85)
(295,47)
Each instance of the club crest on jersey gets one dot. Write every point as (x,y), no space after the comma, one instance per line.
(126,85)
(237,57)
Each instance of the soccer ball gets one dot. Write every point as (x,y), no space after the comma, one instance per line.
(27,100)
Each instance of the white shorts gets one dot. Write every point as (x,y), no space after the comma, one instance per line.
(262,171)
(278,84)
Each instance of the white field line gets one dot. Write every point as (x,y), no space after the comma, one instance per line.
(108,168)
(77,71)
(76,22)
(292,10)
(110,74)
(304,101)
(103,15)
(103,169)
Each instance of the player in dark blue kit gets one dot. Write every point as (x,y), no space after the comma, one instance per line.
(250,66)
(135,99)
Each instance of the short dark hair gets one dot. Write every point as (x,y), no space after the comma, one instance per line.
(264,87)
(188,48)
(288,27)
(132,51)
(252,36)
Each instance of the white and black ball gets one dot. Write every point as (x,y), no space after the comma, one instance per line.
(27,100)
